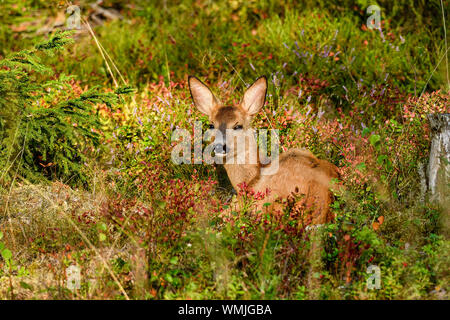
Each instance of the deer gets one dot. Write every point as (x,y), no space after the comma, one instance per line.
(298,170)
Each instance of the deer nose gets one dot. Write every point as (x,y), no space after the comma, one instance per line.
(220,148)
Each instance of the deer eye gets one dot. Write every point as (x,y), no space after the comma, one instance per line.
(238,127)
(211,126)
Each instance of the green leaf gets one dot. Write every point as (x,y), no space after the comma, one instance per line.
(161,204)
(6,254)
(365,132)
(336,205)
(101,236)
(381,159)
(169,278)
(26,285)
(361,166)
(1,235)
(374,139)
(174,260)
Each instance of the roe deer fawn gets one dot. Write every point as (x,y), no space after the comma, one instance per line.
(299,171)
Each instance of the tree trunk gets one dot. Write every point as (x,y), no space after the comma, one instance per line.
(438,166)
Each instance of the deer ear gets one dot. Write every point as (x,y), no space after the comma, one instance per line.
(255,96)
(203,98)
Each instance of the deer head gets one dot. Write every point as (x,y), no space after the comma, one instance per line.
(233,123)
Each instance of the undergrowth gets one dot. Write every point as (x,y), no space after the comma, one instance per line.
(87,180)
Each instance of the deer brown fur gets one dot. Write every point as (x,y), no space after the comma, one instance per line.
(299,171)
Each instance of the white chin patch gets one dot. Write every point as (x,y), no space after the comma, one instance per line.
(221,155)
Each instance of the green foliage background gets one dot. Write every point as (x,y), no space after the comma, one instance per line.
(85,170)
